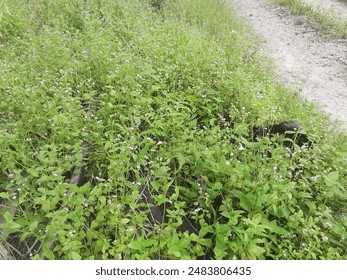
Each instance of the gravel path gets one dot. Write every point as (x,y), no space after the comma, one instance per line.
(306,60)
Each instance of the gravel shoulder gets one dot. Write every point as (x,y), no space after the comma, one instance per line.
(306,61)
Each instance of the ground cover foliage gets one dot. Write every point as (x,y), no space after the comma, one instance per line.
(151,106)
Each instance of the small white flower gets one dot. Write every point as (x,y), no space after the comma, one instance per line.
(327,224)
(325,238)
(159,143)
(260,95)
(227,162)
(315,178)
(241,147)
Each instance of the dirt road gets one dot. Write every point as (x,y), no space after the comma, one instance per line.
(309,62)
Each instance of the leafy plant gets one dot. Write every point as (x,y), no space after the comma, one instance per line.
(126,133)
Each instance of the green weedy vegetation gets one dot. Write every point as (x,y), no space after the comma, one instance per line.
(160,97)
(328,22)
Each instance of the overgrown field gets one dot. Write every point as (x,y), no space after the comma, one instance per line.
(126,132)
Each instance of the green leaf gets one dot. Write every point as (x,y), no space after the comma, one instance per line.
(143,152)
(161,171)
(336,190)
(241,129)
(124,221)
(245,201)
(47,252)
(94,224)
(257,218)
(332,178)
(142,244)
(33,225)
(274,227)
(219,253)
(205,178)
(304,195)
(102,199)
(8,217)
(155,87)
(174,250)
(46,205)
(160,199)
(33,172)
(181,160)
(205,229)
(14,226)
(75,256)
(254,250)
(5,195)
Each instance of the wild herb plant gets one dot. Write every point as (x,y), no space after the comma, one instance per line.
(141,99)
